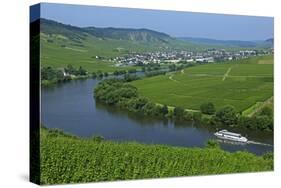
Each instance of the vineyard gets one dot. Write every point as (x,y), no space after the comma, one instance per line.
(69,159)
(240,83)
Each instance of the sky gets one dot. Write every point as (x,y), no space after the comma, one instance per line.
(174,23)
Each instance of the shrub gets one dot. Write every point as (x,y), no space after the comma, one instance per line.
(178,112)
(94,75)
(227,115)
(266,111)
(197,116)
(256,122)
(188,116)
(264,122)
(165,109)
(208,108)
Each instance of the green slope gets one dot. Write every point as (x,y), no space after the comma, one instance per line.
(64,44)
(239,83)
(67,159)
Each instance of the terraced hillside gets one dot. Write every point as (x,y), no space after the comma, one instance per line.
(241,84)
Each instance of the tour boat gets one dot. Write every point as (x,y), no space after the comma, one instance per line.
(224,134)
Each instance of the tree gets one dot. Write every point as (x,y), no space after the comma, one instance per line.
(208,108)
(130,77)
(158,110)
(136,104)
(99,74)
(149,109)
(122,71)
(126,92)
(261,122)
(112,98)
(267,111)
(81,71)
(165,109)
(59,75)
(264,122)
(48,73)
(188,115)
(178,112)
(116,73)
(94,75)
(248,122)
(70,69)
(227,115)
(132,71)
(172,67)
(197,116)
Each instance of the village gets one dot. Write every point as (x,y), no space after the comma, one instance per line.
(175,56)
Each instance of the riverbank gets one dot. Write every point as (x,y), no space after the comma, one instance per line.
(122,94)
(69,159)
(63,105)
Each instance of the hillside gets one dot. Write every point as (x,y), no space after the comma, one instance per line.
(240,83)
(230,43)
(141,35)
(65,44)
(68,159)
(92,47)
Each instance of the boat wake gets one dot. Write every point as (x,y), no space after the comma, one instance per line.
(259,143)
(235,138)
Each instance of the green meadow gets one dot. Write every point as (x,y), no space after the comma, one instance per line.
(241,83)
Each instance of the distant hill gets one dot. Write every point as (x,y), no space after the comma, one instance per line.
(154,38)
(93,48)
(140,35)
(270,40)
(144,35)
(230,43)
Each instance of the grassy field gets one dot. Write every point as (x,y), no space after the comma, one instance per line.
(240,83)
(68,159)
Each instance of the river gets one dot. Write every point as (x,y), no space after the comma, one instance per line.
(71,107)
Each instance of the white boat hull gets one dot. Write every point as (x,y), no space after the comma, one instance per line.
(232,139)
(230,136)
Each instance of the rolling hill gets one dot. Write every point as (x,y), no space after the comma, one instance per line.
(143,35)
(230,43)
(140,35)
(63,44)
(240,83)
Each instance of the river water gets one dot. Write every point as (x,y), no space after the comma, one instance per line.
(71,107)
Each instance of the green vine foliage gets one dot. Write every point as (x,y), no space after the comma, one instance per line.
(69,159)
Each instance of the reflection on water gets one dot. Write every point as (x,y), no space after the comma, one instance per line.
(70,106)
(231,142)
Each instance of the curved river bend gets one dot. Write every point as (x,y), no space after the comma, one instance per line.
(71,107)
